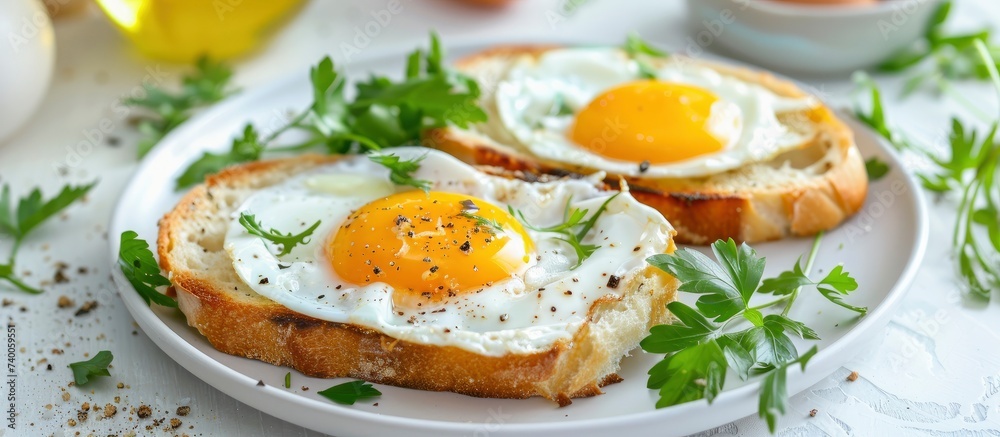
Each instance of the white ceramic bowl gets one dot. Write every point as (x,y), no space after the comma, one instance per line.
(796,38)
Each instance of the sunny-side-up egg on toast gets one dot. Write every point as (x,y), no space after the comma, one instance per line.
(721,151)
(484,285)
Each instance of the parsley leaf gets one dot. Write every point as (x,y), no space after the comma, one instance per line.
(208,84)
(384,113)
(244,149)
(350,392)
(286,241)
(836,284)
(690,329)
(725,290)
(967,152)
(139,267)
(876,168)
(698,351)
(31,211)
(774,393)
(84,371)
(401,170)
(573,229)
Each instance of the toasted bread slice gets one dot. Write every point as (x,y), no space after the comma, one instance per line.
(238,321)
(796,193)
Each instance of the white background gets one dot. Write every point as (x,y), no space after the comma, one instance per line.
(935,370)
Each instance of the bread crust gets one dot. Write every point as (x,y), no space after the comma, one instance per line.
(699,209)
(240,322)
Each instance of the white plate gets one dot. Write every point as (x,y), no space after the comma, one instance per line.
(881,247)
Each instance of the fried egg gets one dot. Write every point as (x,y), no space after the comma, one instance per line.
(453,266)
(590,107)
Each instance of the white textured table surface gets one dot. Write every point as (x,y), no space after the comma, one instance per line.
(935,370)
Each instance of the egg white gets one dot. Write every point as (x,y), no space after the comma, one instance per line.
(745,117)
(510,316)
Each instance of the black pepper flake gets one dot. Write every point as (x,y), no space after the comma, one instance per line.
(282,266)
(260,383)
(636,249)
(320,296)
(553,309)
(48,367)
(466,247)
(263,281)
(468,206)
(568,293)
(376,270)
(503,317)
(434,269)
(86,308)
(643,166)
(338,287)
(613,281)
(401,219)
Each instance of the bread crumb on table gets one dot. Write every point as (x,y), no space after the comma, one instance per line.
(813,412)
(853,376)
(183,411)
(65,302)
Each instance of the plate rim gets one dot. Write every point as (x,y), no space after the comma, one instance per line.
(199,363)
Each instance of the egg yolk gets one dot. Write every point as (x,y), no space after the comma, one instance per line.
(648,120)
(429,244)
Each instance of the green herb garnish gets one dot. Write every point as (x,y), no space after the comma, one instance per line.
(640,51)
(286,241)
(288,380)
(31,212)
(350,392)
(969,170)
(139,267)
(876,169)
(243,149)
(385,113)
(952,57)
(84,371)
(401,170)
(704,343)
(208,84)
(573,229)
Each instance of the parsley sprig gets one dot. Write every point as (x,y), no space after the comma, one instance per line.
(640,51)
(573,229)
(31,211)
(950,56)
(384,113)
(350,392)
(286,241)
(85,371)
(136,262)
(703,344)
(208,84)
(401,170)
(969,170)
